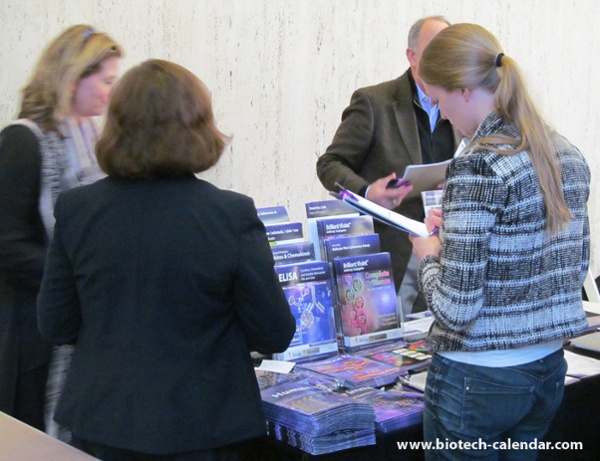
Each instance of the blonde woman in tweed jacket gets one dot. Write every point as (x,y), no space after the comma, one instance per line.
(503,278)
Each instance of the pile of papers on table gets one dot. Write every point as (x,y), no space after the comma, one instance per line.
(304,412)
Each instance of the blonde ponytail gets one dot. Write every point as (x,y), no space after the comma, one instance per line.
(468,56)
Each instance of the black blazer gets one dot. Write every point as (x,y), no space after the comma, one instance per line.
(379,135)
(22,257)
(165,286)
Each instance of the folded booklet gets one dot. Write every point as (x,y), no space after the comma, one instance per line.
(382,214)
(425,177)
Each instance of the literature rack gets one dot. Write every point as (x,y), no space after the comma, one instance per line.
(306,284)
(371,317)
(337,283)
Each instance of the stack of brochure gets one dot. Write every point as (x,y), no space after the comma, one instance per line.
(393,409)
(312,417)
(322,444)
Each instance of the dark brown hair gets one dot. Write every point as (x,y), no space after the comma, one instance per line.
(159,124)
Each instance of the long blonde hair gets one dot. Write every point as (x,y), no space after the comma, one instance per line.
(75,54)
(469,56)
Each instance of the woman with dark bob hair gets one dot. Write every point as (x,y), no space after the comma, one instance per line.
(164,283)
(160,125)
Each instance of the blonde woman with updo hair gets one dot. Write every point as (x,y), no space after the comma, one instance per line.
(49,149)
(503,277)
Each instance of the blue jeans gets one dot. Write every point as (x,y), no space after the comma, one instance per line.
(488,407)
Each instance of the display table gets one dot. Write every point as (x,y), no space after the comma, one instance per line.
(575,421)
(20,442)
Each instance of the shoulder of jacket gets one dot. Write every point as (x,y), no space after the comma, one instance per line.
(389,86)
(29,124)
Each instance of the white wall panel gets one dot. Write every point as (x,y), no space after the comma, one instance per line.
(282,71)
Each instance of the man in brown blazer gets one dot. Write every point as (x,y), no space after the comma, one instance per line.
(385,128)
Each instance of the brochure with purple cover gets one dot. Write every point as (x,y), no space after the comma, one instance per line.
(353,370)
(307,287)
(292,253)
(266,378)
(273,214)
(316,419)
(341,227)
(337,226)
(288,232)
(322,444)
(366,301)
(352,245)
(323,208)
(393,410)
(315,211)
(313,410)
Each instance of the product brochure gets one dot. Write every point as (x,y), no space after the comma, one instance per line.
(283,233)
(292,253)
(307,287)
(352,370)
(366,301)
(272,214)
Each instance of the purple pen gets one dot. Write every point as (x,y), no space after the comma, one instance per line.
(435,231)
(395,183)
(346,193)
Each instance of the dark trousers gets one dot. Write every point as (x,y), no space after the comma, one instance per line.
(235,452)
(30,397)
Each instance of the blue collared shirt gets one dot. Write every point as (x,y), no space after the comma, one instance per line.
(432,110)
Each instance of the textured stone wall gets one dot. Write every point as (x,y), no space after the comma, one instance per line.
(282,71)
